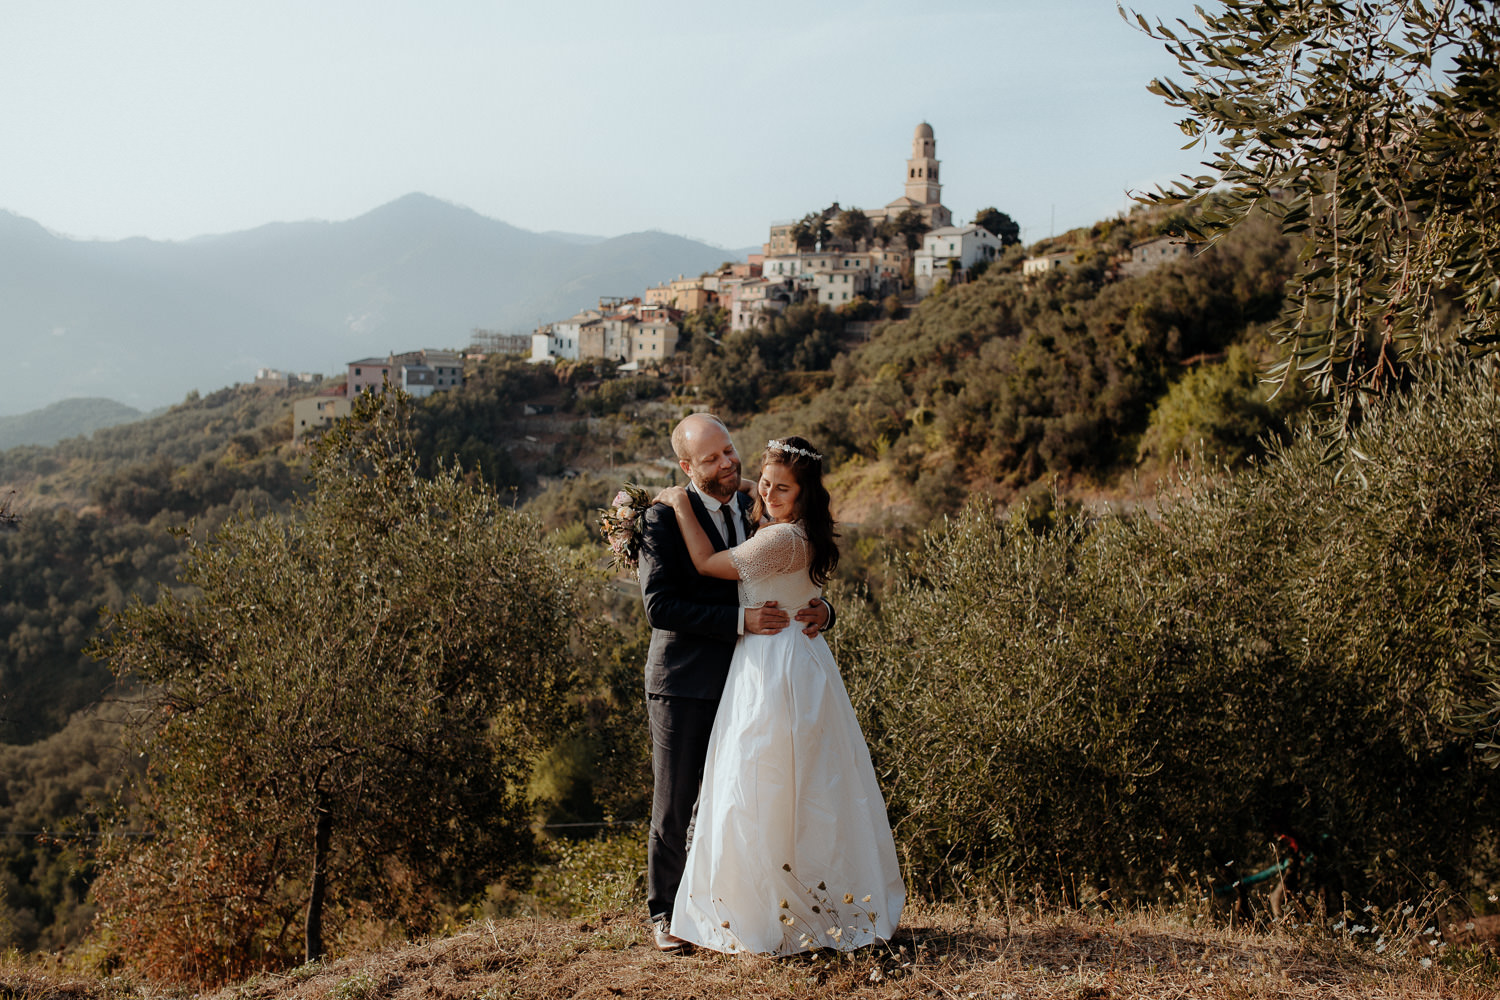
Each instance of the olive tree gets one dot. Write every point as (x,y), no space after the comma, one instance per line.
(811,231)
(999,224)
(852,225)
(342,717)
(1368,131)
(911,226)
(1139,702)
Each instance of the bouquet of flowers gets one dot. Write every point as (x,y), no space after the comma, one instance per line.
(623,522)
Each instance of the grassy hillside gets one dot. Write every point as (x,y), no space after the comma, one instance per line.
(1084,376)
(96,516)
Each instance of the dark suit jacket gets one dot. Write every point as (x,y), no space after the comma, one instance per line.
(694,619)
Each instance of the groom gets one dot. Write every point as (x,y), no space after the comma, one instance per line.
(695,623)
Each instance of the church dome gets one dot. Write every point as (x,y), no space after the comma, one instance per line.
(924,131)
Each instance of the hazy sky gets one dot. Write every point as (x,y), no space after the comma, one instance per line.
(172,119)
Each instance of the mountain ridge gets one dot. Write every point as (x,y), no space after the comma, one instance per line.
(63,419)
(145,322)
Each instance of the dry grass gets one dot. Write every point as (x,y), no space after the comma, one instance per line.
(938,953)
(865,491)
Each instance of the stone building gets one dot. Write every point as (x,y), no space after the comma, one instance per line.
(1148,255)
(653,341)
(756,300)
(367,375)
(1035,267)
(420,373)
(275,378)
(317,412)
(950,252)
(626,330)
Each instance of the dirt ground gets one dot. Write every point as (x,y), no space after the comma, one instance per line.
(937,953)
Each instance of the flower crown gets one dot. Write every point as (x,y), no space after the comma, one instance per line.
(791,449)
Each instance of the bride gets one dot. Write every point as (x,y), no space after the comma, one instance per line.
(791,849)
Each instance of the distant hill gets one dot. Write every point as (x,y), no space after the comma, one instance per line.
(145,321)
(65,419)
(581,238)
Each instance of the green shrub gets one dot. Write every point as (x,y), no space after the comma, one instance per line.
(1139,702)
(1222,412)
(619,394)
(605,872)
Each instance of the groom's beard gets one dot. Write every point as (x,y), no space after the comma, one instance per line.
(724,487)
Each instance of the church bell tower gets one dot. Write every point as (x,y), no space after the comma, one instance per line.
(922,184)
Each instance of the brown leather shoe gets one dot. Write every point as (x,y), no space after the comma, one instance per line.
(667,941)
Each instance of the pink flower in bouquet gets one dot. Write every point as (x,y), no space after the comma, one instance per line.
(622,524)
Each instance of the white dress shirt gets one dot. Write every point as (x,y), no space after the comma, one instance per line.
(712,506)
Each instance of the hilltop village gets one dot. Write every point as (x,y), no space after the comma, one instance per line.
(844,259)
(834,258)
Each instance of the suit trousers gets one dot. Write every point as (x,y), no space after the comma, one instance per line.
(680,728)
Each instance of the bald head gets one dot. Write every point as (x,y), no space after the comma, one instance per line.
(706,453)
(692,428)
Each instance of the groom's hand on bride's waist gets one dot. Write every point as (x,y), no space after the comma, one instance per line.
(815,617)
(767,620)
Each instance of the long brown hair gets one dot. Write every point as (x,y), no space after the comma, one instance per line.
(806,465)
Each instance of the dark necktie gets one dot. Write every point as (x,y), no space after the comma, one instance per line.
(728,512)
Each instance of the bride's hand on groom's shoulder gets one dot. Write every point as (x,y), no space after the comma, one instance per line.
(671,496)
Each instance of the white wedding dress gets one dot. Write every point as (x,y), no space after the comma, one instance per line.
(791,847)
